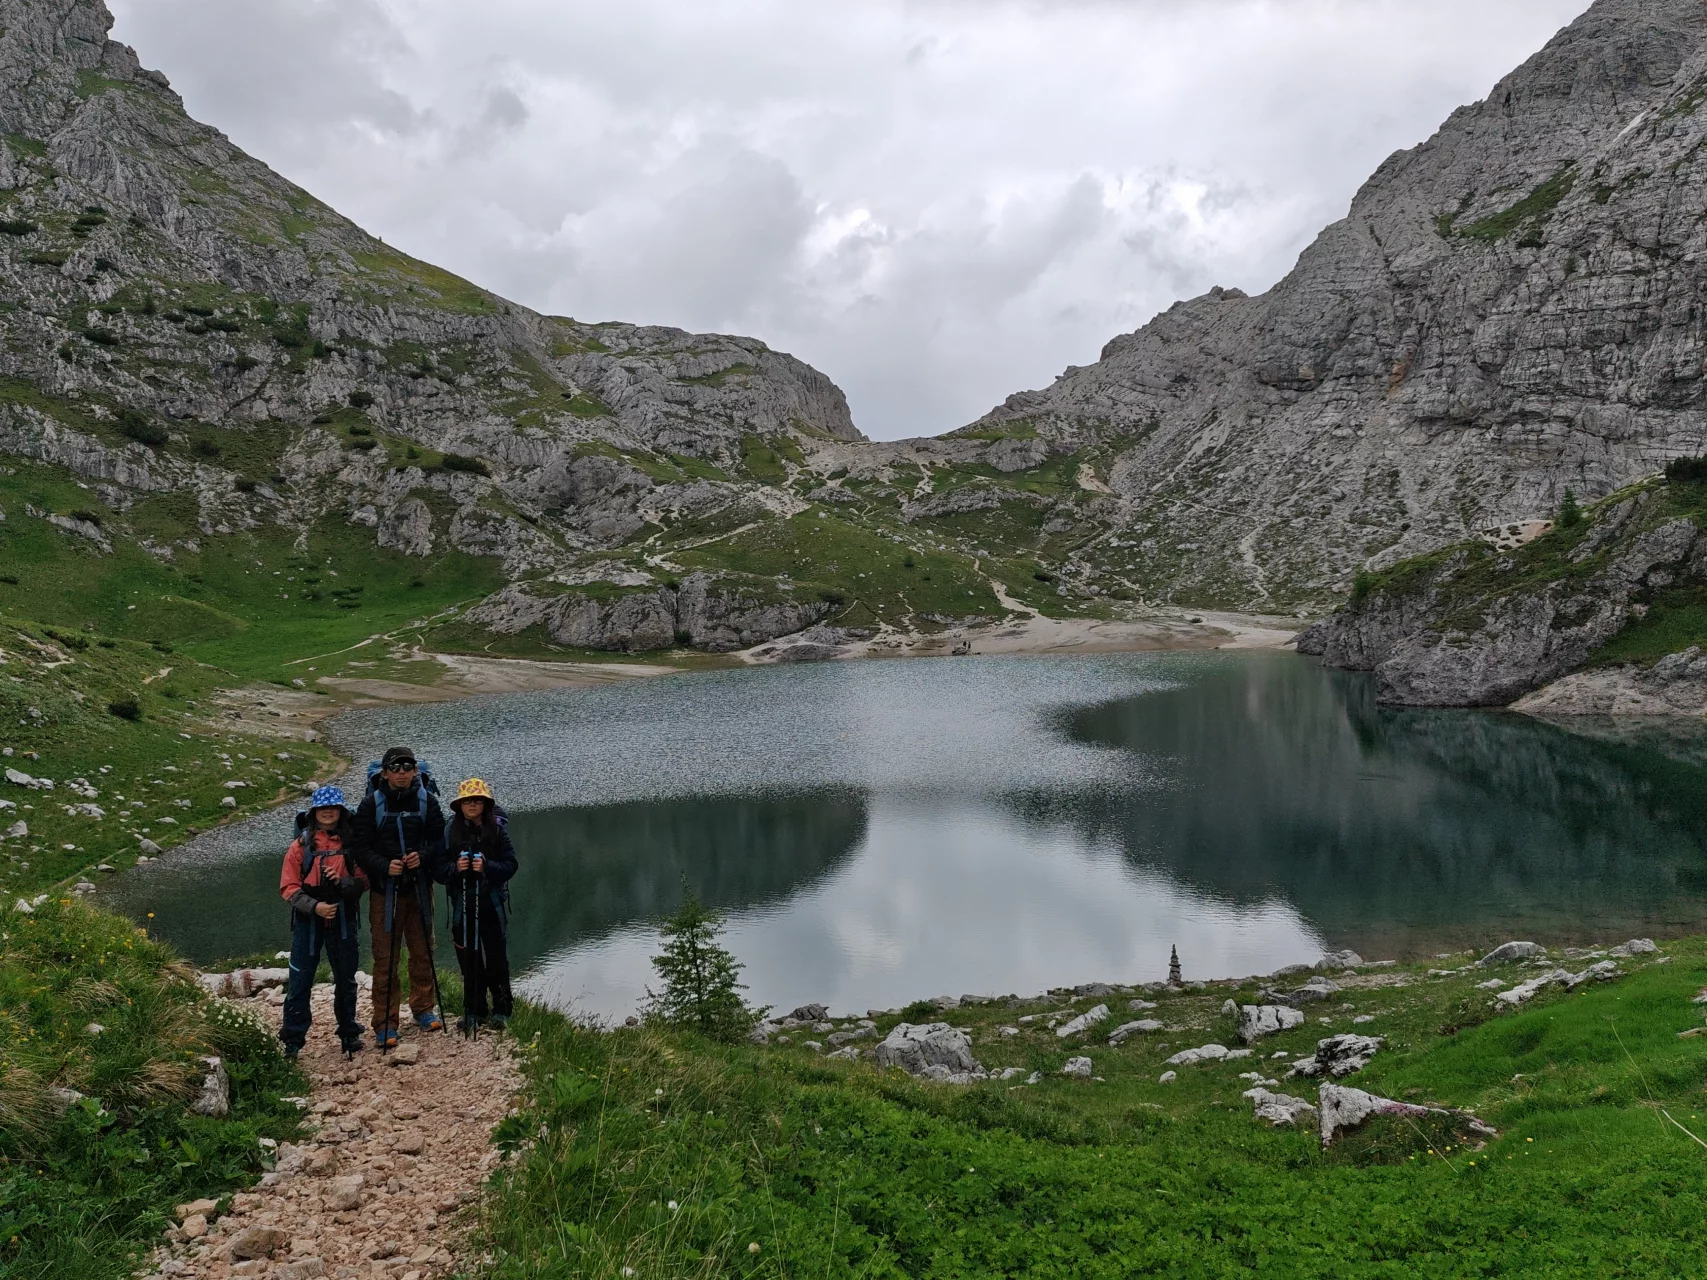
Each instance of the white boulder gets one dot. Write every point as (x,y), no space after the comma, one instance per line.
(1084,1022)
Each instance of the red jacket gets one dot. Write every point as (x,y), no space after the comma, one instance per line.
(326,867)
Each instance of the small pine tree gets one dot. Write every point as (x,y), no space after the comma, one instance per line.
(1570,514)
(701,980)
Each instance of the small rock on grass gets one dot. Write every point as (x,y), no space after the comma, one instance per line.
(1167,1077)
(1511,952)
(1077,1067)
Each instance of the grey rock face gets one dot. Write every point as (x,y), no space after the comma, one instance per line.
(1463,629)
(1079,1068)
(702,612)
(1505,311)
(1676,685)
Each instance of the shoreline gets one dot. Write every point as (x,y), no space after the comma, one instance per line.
(300,713)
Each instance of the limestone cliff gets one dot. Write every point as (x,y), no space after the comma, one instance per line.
(1619,592)
(1510,308)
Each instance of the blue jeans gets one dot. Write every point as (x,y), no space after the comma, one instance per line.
(341,940)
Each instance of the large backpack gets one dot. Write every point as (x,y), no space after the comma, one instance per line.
(429,785)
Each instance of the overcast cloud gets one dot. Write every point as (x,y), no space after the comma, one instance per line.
(936,202)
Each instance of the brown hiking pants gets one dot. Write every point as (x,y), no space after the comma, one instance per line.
(412,936)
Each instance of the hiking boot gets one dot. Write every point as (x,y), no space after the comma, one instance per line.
(291,1051)
(429,1021)
(352,1046)
(468,1024)
(385,1038)
(500,1022)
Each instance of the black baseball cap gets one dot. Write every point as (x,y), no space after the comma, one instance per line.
(396,755)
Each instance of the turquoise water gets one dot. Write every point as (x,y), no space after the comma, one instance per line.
(882,831)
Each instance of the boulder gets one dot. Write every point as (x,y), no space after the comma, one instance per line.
(1127,1030)
(1511,952)
(810,1013)
(1259,1020)
(1204,1053)
(1093,989)
(1167,1077)
(1605,971)
(916,1048)
(1534,986)
(1279,1108)
(1339,1055)
(194,1227)
(215,1096)
(345,1193)
(1138,1006)
(1347,959)
(1635,947)
(1341,1108)
(256,1242)
(1079,1068)
(1084,1022)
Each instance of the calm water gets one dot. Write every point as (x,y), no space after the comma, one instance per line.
(883,831)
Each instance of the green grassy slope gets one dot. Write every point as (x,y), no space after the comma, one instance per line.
(675,1157)
(85,1187)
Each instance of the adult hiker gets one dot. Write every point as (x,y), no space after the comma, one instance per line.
(399,834)
(323,884)
(476,869)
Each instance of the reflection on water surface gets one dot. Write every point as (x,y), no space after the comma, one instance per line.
(886,830)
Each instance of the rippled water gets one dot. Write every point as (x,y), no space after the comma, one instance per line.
(886,830)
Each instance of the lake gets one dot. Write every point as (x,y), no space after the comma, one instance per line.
(883,831)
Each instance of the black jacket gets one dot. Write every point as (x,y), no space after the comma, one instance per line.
(412,820)
(491,888)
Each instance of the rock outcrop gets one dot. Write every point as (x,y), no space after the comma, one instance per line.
(1468,626)
(1508,310)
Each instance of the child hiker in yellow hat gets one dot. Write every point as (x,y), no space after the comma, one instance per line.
(479,861)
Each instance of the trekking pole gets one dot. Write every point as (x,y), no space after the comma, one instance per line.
(391,959)
(472,1024)
(426,901)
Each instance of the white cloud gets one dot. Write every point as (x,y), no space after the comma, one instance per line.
(937,202)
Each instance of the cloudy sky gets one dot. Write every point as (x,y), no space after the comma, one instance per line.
(936,202)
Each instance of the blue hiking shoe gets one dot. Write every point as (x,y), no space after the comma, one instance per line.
(385,1038)
(429,1021)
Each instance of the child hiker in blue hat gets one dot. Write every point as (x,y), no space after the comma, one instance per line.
(322,884)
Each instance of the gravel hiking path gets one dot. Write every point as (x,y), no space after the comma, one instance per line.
(398,1145)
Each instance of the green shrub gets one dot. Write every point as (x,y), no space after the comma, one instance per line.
(125,709)
(17,227)
(361,444)
(244,363)
(1686,470)
(136,427)
(459,462)
(361,399)
(245,485)
(101,337)
(205,449)
(1570,514)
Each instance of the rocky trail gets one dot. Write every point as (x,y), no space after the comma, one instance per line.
(397,1146)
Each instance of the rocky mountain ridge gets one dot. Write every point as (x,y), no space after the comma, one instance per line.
(1509,309)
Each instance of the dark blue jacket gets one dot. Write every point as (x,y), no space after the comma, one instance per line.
(412,820)
(491,888)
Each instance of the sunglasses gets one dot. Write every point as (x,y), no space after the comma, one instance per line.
(400,766)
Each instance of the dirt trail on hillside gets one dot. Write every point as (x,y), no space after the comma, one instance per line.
(400,1144)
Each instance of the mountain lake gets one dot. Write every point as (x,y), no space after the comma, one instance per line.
(889,830)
